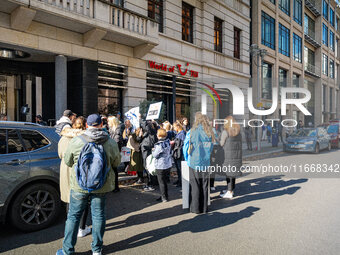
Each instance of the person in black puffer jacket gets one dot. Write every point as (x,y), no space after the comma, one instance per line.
(177,152)
(231,141)
(147,142)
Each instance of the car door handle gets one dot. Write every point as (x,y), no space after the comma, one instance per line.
(15,162)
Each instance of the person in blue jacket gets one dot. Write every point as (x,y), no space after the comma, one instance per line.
(197,149)
(163,162)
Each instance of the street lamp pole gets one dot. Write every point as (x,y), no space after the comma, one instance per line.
(255,51)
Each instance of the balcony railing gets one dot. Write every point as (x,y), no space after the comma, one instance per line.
(314,6)
(129,20)
(105,10)
(310,37)
(84,7)
(312,70)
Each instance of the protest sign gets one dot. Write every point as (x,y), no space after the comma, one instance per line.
(125,154)
(154,111)
(132,115)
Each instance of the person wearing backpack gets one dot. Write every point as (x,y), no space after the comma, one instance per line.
(92,156)
(67,134)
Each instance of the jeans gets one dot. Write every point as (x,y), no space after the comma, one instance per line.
(162,180)
(78,203)
(83,218)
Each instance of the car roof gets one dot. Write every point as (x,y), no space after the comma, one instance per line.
(21,124)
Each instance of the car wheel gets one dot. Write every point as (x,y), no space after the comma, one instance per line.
(329,148)
(35,207)
(317,149)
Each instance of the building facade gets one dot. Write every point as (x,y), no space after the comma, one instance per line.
(301,39)
(109,55)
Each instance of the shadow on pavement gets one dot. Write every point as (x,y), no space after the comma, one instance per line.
(124,202)
(200,223)
(131,200)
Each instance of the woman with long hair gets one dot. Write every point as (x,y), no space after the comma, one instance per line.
(185,124)
(231,141)
(115,134)
(136,159)
(115,130)
(197,150)
(67,134)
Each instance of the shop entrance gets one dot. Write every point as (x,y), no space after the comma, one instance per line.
(17,91)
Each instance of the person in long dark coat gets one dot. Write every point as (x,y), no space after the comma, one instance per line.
(147,142)
(136,160)
(177,151)
(231,141)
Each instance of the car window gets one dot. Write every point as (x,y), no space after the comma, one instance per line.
(14,144)
(2,141)
(33,140)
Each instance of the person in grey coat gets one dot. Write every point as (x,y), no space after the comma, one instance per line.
(231,141)
(163,162)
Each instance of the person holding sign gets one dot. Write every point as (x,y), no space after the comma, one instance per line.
(197,149)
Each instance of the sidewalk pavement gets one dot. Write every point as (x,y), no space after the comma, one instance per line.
(266,149)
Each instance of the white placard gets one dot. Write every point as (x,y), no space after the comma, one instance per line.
(125,154)
(133,116)
(154,111)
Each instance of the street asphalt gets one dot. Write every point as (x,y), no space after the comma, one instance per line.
(270,214)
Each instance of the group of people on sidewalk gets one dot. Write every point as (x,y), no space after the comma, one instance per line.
(90,154)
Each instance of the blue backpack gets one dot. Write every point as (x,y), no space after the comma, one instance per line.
(91,169)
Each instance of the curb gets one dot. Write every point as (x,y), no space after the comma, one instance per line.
(249,157)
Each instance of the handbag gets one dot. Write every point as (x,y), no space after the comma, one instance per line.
(132,144)
(150,165)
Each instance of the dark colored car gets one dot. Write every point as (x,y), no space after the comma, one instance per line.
(308,140)
(29,175)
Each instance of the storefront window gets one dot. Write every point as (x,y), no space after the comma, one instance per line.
(3,95)
(159,88)
(111,83)
(109,100)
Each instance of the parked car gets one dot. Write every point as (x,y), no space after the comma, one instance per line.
(29,175)
(333,130)
(308,140)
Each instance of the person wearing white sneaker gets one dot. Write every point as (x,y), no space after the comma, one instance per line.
(227,194)
(94,143)
(84,232)
(231,141)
